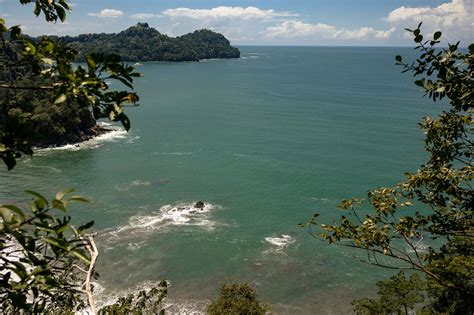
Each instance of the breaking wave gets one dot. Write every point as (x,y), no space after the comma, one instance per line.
(172,153)
(281,241)
(134,184)
(114,134)
(140,227)
(250,57)
(179,214)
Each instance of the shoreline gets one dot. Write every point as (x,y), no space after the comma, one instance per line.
(83,136)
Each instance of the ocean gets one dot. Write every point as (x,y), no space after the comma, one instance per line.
(265,141)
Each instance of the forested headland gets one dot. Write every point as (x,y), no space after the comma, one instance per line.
(144,43)
(67,122)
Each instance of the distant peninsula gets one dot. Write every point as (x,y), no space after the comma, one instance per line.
(144,43)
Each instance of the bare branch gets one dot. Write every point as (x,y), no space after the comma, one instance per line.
(81,269)
(92,248)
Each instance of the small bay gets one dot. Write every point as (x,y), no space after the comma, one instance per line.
(265,141)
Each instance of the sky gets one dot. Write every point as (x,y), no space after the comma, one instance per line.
(264,22)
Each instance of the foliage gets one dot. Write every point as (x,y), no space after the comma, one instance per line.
(144,302)
(143,43)
(42,122)
(395,295)
(52,9)
(237,299)
(45,65)
(433,205)
(39,251)
(46,265)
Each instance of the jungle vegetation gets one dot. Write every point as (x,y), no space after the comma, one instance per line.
(144,43)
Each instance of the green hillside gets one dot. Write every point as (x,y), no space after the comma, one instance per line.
(144,43)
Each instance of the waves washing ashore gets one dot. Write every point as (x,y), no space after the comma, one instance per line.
(115,133)
(269,139)
(172,306)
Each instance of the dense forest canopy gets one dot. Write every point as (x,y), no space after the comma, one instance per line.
(144,43)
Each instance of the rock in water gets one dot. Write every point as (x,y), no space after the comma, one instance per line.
(199,205)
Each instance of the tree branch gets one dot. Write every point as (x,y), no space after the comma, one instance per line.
(92,248)
(41,87)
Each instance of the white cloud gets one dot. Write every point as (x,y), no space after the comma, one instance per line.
(404,13)
(107,13)
(455,19)
(255,25)
(224,12)
(143,16)
(297,29)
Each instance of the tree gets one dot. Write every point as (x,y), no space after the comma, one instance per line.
(237,299)
(144,302)
(397,295)
(48,66)
(43,257)
(46,264)
(143,43)
(433,205)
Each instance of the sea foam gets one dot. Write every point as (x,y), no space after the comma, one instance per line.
(115,133)
(280,241)
(177,214)
(140,227)
(249,57)
(106,297)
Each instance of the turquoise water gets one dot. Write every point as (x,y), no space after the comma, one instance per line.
(266,141)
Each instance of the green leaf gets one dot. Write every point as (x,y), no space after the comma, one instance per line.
(15,32)
(418,38)
(6,215)
(3,28)
(125,122)
(86,226)
(19,269)
(37,9)
(37,195)
(471,48)
(45,228)
(64,4)
(9,160)
(57,242)
(398,58)
(63,193)
(40,204)
(81,255)
(420,83)
(60,99)
(15,209)
(437,35)
(59,204)
(80,199)
(91,62)
(60,12)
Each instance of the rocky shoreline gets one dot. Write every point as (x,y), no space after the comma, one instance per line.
(75,138)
